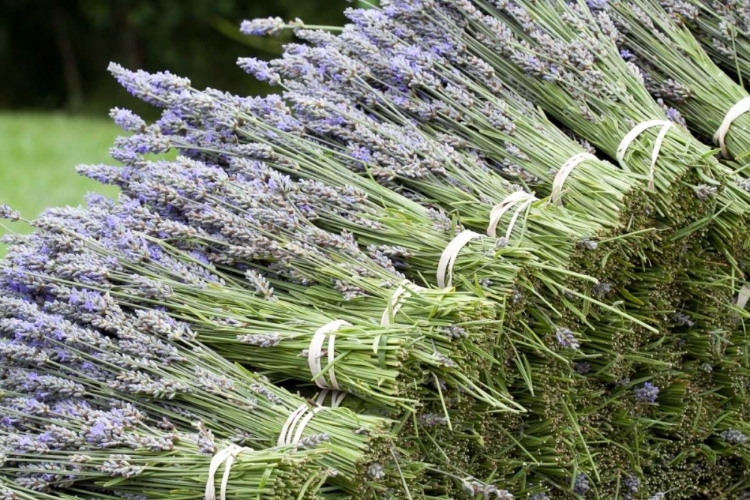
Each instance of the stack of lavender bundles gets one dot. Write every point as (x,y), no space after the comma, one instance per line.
(591,347)
(532,391)
(301,63)
(554,53)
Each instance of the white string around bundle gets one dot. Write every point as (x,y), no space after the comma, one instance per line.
(743,296)
(397,301)
(336,398)
(226,457)
(633,135)
(519,199)
(564,172)
(296,423)
(449,256)
(315,352)
(742,107)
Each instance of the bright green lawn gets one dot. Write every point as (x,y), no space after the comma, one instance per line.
(38,156)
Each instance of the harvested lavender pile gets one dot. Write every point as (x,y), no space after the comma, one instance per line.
(398,278)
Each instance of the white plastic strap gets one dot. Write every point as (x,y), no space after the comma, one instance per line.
(633,135)
(296,423)
(519,199)
(397,300)
(315,352)
(743,296)
(564,172)
(734,112)
(336,398)
(226,457)
(449,256)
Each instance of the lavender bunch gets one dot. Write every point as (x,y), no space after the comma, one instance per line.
(422,331)
(266,121)
(387,92)
(109,446)
(565,57)
(91,346)
(677,69)
(721,27)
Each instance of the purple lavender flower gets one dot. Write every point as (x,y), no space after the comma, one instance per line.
(734,436)
(647,394)
(263,26)
(581,485)
(566,338)
(8,213)
(127,120)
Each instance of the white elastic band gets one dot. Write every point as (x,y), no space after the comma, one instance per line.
(397,300)
(520,199)
(564,172)
(743,296)
(226,457)
(336,398)
(295,424)
(633,135)
(449,256)
(734,112)
(315,352)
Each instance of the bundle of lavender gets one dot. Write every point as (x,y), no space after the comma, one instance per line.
(81,344)
(220,128)
(421,334)
(677,70)
(66,441)
(721,26)
(556,54)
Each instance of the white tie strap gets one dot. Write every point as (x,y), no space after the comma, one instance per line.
(296,423)
(449,256)
(518,199)
(226,457)
(743,106)
(564,172)
(743,296)
(633,135)
(315,352)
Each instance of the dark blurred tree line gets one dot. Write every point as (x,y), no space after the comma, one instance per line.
(54,53)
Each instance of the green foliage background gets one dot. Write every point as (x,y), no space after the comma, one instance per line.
(55,91)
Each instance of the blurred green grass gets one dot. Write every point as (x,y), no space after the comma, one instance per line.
(38,156)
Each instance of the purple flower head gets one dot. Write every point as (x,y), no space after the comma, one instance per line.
(127,120)
(674,116)
(269,26)
(647,394)
(734,436)
(566,338)
(626,54)
(581,485)
(597,4)
(632,483)
(153,88)
(8,213)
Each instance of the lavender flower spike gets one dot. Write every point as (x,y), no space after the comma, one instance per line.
(566,338)
(647,394)
(8,213)
(269,26)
